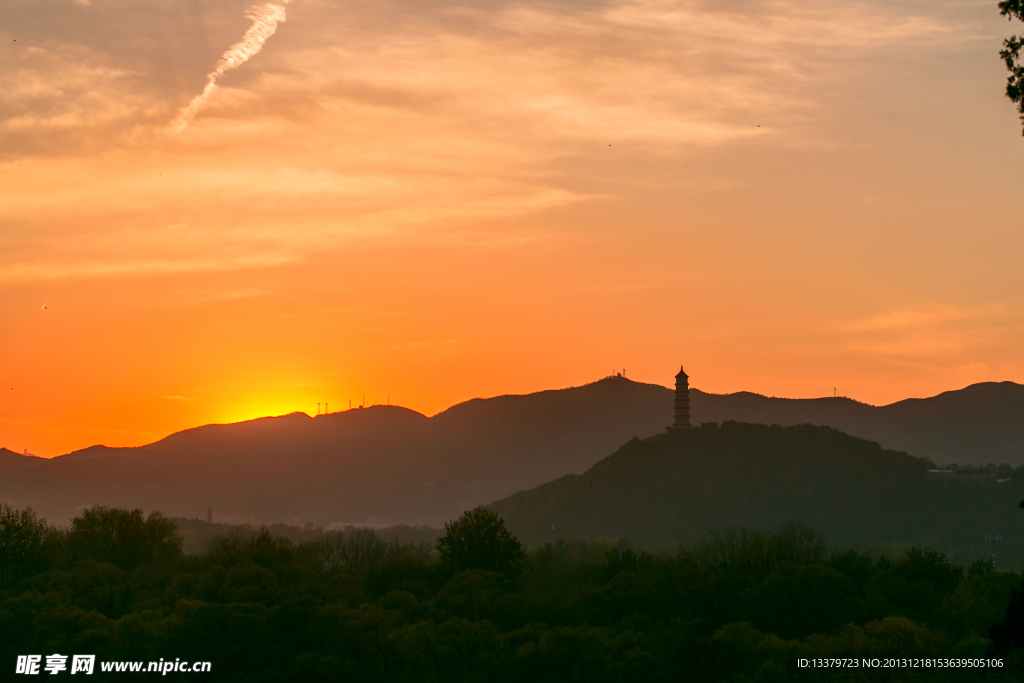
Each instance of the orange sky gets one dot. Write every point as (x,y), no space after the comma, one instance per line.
(435,201)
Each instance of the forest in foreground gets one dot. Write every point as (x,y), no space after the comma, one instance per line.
(739,606)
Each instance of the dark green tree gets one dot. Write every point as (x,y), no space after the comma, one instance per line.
(22,535)
(479,540)
(1014,9)
(1008,634)
(123,537)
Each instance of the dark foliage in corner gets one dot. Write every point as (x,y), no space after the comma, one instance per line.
(1008,635)
(1014,9)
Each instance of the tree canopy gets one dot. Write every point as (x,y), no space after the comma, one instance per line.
(123,537)
(22,535)
(479,540)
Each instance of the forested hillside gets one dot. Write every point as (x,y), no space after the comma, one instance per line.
(676,487)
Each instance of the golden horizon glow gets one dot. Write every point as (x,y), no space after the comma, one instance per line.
(443,201)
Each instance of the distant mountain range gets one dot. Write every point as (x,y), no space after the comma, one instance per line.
(386,464)
(378,465)
(981,424)
(675,488)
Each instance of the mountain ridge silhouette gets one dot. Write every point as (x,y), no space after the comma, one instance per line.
(388,464)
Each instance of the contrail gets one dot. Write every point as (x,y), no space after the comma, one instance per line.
(265,19)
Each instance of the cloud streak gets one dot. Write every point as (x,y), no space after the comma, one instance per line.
(35,272)
(265,19)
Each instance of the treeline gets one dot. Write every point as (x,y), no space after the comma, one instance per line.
(197,535)
(739,606)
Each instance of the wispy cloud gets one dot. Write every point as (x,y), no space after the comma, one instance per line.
(265,19)
(932,335)
(910,318)
(32,272)
(394,120)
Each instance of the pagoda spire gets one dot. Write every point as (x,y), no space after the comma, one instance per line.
(682,414)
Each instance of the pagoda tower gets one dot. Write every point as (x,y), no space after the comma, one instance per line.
(682,420)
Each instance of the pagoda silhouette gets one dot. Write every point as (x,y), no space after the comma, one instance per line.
(682,415)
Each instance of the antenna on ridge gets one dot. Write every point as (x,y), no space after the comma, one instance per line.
(317,408)
(326,411)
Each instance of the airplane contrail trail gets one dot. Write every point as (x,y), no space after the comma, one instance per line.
(265,19)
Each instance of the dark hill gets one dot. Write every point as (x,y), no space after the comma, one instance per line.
(566,429)
(978,425)
(676,487)
(10,459)
(379,464)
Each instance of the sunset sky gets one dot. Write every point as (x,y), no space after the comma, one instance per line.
(431,201)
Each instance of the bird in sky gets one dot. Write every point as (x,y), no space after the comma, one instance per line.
(44,307)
